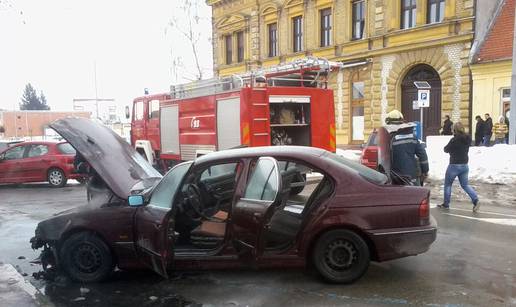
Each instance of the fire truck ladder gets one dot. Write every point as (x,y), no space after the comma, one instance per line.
(303,71)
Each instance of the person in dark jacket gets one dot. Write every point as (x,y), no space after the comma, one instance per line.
(458,148)
(479,131)
(404,148)
(447,126)
(488,130)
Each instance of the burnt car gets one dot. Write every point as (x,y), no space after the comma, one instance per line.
(230,209)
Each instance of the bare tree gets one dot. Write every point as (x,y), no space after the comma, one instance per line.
(188,23)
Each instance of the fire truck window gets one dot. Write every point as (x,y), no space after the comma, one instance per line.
(138,110)
(154,108)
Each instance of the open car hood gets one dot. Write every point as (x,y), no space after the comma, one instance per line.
(114,160)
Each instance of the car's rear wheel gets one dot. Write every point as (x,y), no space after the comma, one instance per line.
(341,256)
(86,258)
(56,177)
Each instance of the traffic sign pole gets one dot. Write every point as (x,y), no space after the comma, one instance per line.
(421,120)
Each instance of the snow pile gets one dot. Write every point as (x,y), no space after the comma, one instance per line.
(350,154)
(496,164)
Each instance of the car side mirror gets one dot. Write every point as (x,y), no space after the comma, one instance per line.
(135,200)
(127,113)
(2,157)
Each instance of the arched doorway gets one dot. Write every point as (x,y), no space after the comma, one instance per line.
(432,114)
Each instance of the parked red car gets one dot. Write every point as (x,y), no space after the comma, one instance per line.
(231,208)
(38,161)
(369,156)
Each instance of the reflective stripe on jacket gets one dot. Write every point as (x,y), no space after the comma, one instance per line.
(405,147)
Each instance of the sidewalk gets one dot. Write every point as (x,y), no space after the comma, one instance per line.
(15,290)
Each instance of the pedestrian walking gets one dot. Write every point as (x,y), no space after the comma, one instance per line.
(500,129)
(447,126)
(488,130)
(405,146)
(458,148)
(479,131)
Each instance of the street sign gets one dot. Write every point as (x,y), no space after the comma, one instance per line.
(423,98)
(415,105)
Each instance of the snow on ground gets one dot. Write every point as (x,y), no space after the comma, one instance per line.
(350,154)
(495,165)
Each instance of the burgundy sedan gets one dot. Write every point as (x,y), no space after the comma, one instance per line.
(38,161)
(229,209)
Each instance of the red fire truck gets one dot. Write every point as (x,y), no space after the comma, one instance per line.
(284,105)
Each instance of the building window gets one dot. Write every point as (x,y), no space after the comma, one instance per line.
(297,27)
(358,90)
(408,14)
(228,42)
(435,11)
(273,39)
(325,27)
(240,46)
(358,19)
(506,102)
(357,111)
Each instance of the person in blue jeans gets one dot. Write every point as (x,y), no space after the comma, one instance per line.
(458,148)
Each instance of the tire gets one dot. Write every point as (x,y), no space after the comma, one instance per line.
(82,180)
(56,177)
(86,258)
(341,256)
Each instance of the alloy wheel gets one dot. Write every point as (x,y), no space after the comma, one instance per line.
(55,177)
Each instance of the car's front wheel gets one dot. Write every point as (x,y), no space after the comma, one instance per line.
(341,256)
(86,258)
(56,177)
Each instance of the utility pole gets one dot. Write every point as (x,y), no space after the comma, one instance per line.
(96,92)
(512,117)
(79,103)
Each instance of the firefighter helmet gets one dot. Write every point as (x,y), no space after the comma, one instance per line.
(394,117)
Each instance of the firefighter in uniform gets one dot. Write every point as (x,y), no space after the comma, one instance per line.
(405,147)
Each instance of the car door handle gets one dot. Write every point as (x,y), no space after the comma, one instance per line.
(256,217)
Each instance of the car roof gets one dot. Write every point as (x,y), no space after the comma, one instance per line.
(40,143)
(250,152)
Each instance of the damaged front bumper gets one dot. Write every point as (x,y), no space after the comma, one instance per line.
(48,257)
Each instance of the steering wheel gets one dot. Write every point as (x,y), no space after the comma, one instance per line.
(194,198)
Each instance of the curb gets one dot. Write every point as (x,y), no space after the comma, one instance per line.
(19,292)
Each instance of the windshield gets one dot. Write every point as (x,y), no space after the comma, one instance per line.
(164,193)
(364,171)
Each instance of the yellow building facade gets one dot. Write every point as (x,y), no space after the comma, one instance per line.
(386,45)
(492,89)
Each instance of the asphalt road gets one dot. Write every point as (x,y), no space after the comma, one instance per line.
(472,263)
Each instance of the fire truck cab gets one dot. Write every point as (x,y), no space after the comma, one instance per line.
(285,105)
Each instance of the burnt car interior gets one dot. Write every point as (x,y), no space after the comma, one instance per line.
(207,195)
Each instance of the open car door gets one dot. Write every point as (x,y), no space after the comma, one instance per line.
(154,223)
(384,152)
(254,209)
(155,238)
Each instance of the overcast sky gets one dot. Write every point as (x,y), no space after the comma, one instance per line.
(54,45)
